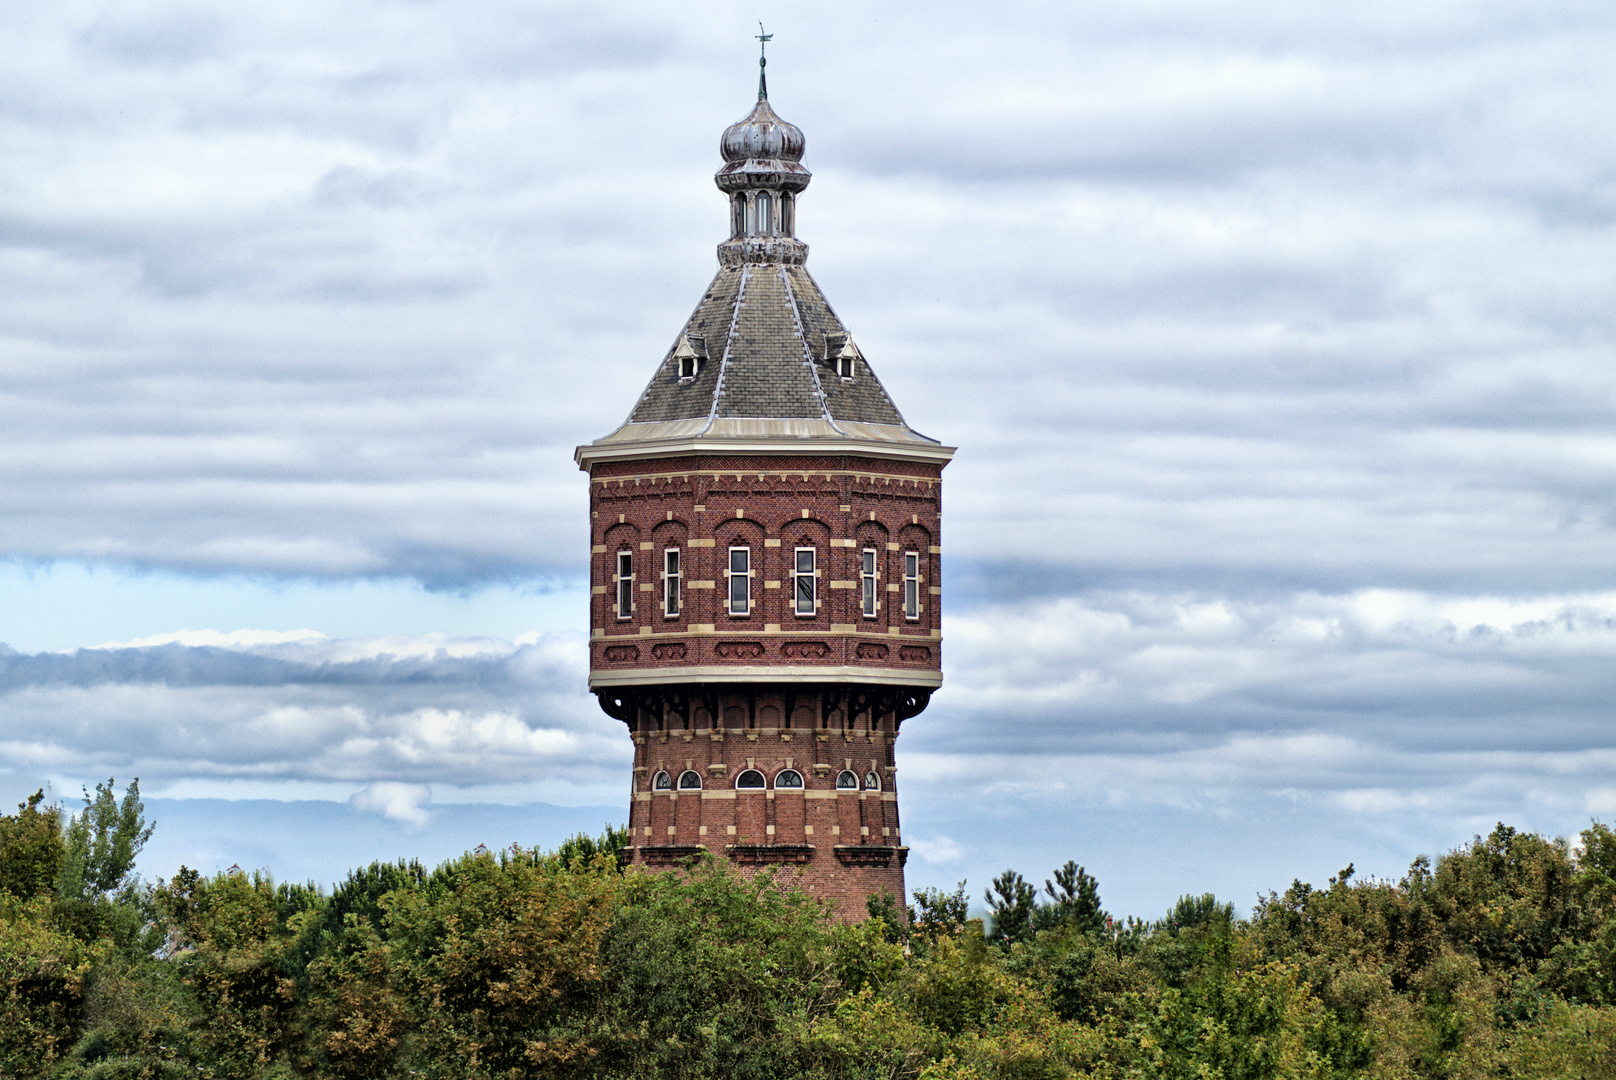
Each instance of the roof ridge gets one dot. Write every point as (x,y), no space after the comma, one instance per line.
(807,353)
(879,385)
(729,343)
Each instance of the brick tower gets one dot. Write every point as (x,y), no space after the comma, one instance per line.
(765,565)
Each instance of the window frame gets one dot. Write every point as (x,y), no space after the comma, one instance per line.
(672,579)
(868,777)
(870,583)
(661,774)
(911,585)
(680,785)
(799,577)
(850,774)
(625,585)
(800,785)
(730,575)
(750,787)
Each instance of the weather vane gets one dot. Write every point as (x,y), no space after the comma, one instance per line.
(763,59)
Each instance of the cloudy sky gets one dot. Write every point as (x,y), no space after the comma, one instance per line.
(1277,340)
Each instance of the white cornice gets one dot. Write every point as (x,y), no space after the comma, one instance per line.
(590,453)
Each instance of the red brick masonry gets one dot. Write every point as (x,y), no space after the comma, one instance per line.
(710,695)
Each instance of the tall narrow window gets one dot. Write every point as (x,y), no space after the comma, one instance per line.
(740,581)
(788,215)
(806,591)
(868,579)
(625,584)
(911,584)
(670,582)
(765,213)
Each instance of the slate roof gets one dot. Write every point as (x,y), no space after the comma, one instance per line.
(770,340)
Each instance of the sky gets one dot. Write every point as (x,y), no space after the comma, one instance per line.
(1276,339)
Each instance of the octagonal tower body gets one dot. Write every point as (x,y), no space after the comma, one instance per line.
(766,529)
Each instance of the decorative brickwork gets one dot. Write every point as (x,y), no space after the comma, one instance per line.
(766,534)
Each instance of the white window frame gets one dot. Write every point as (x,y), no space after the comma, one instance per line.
(870,581)
(844,368)
(911,585)
(730,574)
(801,577)
(625,585)
(672,576)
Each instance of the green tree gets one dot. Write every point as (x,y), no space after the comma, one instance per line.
(1075,897)
(31,849)
(102,842)
(1012,902)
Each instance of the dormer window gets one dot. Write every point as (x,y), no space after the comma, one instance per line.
(689,355)
(842,355)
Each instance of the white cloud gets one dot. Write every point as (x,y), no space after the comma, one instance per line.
(938,850)
(397,802)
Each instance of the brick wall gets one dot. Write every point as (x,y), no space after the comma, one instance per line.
(824,694)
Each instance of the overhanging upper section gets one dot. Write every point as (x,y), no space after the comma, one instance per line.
(679,438)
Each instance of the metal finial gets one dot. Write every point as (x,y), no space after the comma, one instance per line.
(763,60)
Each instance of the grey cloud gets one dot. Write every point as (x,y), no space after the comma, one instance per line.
(334,294)
(385,711)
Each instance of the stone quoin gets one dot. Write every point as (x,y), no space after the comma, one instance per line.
(766,603)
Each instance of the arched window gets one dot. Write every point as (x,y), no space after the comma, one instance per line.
(788,779)
(751,780)
(846,781)
(689,780)
(872,782)
(661,782)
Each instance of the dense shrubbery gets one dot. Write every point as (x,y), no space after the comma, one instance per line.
(1497,961)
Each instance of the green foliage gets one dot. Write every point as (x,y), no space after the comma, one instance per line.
(31,850)
(1496,960)
(1076,902)
(102,842)
(43,974)
(1013,903)
(884,911)
(936,912)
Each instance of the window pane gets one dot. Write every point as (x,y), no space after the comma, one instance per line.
(625,584)
(805,561)
(805,595)
(740,581)
(911,585)
(869,561)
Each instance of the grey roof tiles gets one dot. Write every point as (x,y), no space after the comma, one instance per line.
(764,327)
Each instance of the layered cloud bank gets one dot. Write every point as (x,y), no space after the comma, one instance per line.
(1276,338)
(1394,721)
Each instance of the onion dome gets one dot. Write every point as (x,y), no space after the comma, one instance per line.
(762,151)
